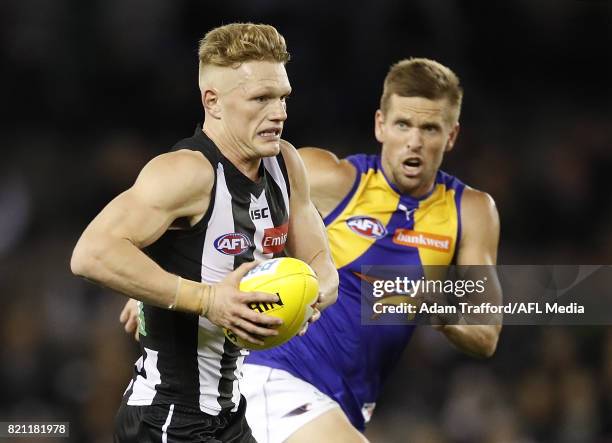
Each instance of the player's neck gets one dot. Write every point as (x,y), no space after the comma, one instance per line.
(417,191)
(232,150)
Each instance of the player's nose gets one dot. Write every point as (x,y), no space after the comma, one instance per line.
(278,113)
(414,138)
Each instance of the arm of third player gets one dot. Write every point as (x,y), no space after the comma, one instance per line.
(478,246)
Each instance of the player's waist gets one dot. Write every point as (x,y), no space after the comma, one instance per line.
(143,392)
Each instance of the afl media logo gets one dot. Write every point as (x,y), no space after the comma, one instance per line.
(233,243)
(367,226)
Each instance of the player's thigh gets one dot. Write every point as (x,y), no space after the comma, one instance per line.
(330,427)
(279,404)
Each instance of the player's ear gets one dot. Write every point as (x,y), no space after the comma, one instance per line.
(210,101)
(379,129)
(452,137)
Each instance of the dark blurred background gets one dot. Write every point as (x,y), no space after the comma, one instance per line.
(92,90)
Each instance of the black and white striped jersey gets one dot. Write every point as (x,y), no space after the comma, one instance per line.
(186,359)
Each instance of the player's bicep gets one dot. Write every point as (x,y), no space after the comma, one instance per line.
(171,186)
(480,229)
(306,235)
(129,216)
(330,178)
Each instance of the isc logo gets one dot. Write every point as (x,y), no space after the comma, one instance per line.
(234,243)
(257,214)
(366,226)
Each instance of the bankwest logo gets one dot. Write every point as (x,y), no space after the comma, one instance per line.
(274,239)
(416,239)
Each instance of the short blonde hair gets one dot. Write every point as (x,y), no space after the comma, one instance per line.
(422,77)
(236,43)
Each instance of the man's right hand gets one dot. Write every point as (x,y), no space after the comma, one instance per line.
(228,308)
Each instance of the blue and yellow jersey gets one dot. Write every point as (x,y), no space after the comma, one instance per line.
(373,225)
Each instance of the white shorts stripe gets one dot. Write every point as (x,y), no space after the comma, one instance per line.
(167,424)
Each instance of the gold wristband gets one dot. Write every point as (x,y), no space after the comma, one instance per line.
(191,296)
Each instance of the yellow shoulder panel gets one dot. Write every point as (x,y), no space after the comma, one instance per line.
(373,198)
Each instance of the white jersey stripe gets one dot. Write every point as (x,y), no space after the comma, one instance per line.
(237,381)
(210,349)
(144,388)
(263,221)
(130,384)
(272,166)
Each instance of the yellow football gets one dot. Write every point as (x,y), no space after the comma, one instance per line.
(297,287)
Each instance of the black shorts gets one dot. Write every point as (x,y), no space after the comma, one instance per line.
(157,424)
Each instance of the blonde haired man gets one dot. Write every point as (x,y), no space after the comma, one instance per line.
(183,235)
(323,387)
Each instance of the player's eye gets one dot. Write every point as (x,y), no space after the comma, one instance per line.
(401,125)
(261,99)
(431,129)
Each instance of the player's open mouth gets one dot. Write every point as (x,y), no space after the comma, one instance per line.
(412,166)
(270,133)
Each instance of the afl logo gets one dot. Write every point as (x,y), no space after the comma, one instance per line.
(367,226)
(233,243)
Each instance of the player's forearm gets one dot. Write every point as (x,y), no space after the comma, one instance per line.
(311,245)
(328,278)
(118,264)
(476,340)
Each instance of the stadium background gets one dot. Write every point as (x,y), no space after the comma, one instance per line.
(92,90)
